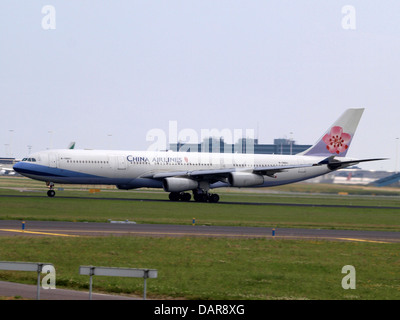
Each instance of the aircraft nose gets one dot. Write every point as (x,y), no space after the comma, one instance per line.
(18,167)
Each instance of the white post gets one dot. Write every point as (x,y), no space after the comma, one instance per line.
(39,270)
(145,276)
(91,282)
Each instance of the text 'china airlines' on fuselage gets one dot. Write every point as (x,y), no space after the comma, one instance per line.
(179,172)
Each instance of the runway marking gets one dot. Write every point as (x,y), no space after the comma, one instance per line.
(362,240)
(37,232)
(153,233)
(168,233)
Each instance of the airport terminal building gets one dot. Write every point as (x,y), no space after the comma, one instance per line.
(8,161)
(243,145)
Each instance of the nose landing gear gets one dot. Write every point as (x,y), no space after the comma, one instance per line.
(51,193)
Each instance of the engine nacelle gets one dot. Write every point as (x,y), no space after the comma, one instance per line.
(179,184)
(245,179)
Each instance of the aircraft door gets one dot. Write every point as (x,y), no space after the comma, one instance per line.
(121,162)
(53,160)
(118,162)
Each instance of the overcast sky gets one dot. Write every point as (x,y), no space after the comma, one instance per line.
(105,73)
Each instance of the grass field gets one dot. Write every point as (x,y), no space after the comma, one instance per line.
(88,207)
(211,268)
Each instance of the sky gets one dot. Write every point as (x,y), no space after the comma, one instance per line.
(126,74)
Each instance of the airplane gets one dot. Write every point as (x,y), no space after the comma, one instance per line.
(5,166)
(7,171)
(181,172)
(71,145)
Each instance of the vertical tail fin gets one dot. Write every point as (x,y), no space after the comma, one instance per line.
(337,139)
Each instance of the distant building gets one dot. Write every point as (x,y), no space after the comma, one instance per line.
(8,161)
(358,176)
(6,165)
(243,145)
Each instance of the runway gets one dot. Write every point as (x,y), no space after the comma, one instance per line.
(219,203)
(27,291)
(123,228)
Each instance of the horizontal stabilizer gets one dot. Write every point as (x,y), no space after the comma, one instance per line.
(335,164)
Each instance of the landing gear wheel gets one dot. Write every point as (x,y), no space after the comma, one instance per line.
(185,196)
(174,196)
(205,197)
(51,193)
(213,198)
(200,197)
(179,196)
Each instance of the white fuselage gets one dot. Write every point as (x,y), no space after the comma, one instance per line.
(131,169)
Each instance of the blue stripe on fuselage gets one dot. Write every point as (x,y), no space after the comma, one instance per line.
(26,168)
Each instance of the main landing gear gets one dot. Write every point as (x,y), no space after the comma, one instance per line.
(179,196)
(206,197)
(51,193)
(198,196)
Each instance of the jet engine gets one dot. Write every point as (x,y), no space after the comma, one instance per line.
(245,179)
(179,184)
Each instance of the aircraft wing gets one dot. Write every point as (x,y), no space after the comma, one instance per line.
(192,173)
(209,174)
(270,171)
(221,174)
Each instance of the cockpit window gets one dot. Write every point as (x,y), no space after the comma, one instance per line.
(29,159)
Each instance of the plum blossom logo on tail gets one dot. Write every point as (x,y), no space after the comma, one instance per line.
(337,141)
